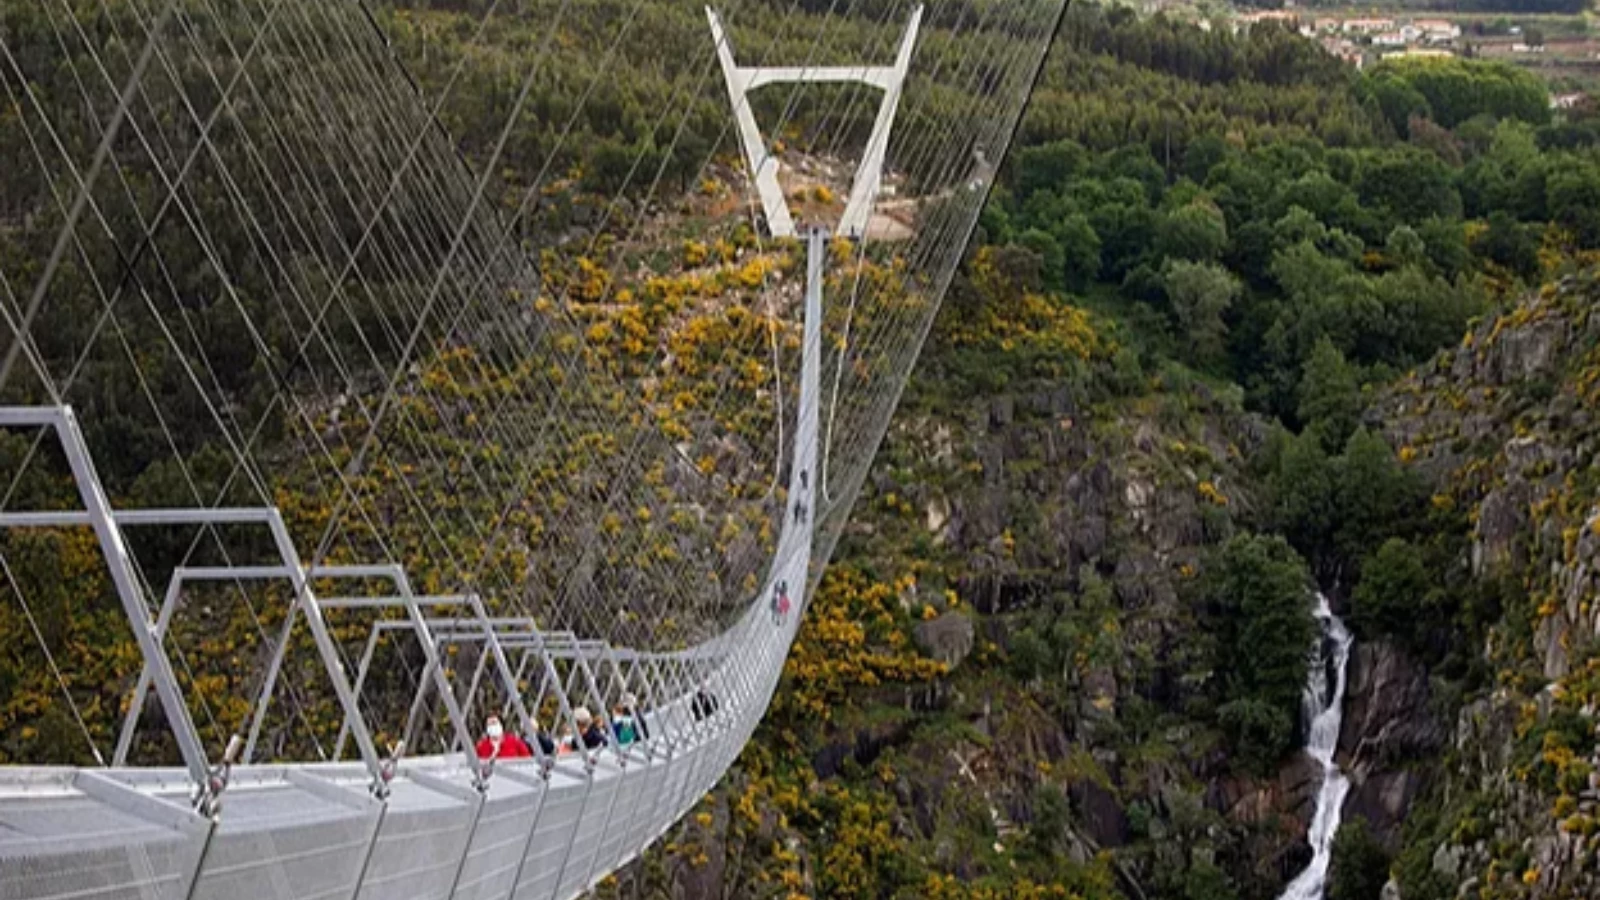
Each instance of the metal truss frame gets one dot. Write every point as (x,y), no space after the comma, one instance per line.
(108,525)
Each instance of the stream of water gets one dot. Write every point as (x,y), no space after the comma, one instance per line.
(1325,709)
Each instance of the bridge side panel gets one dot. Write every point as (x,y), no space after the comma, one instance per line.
(139,870)
(586,843)
(287,863)
(552,839)
(498,841)
(419,850)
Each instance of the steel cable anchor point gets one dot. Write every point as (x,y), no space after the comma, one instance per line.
(387,769)
(208,795)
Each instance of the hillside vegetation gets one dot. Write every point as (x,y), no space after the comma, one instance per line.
(1238,323)
(1176,388)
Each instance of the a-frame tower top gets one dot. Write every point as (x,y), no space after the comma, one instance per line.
(764,166)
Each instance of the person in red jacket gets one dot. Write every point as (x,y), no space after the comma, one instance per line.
(496,744)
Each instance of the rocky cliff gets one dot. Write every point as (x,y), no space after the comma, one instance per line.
(1505,427)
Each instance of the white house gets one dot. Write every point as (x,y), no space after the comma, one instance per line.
(1438,31)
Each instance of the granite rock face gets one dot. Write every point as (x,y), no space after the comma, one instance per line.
(1504,429)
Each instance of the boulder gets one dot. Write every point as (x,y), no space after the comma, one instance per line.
(947,638)
(1291,796)
(1383,798)
(1389,720)
(1098,812)
(1002,410)
(1447,860)
(938,514)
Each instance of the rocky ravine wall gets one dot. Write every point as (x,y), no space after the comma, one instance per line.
(1508,425)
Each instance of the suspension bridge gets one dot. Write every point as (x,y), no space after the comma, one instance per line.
(352,432)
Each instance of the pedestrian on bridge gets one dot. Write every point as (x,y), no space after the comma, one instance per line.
(627,723)
(704,705)
(589,730)
(496,744)
(547,745)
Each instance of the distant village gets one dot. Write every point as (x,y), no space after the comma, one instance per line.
(1361,40)
(1355,40)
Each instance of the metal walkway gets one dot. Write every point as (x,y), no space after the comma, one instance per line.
(445,826)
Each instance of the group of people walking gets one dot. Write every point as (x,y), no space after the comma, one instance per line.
(627,724)
(626,727)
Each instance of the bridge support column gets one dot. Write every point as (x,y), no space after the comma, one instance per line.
(763,166)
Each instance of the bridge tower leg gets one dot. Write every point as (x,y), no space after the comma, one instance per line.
(763,166)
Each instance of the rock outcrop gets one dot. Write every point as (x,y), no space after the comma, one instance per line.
(1390,720)
(947,638)
(1504,427)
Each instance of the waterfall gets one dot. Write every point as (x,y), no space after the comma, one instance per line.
(1325,711)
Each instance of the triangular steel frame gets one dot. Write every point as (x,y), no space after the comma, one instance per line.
(763,166)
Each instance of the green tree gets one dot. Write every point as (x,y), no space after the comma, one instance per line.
(1572,196)
(1048,166)
(1410,185)
(1396,98)
(1080,249)
(1391,597)
(1301,488)
(1201,294)
(1257,591)
(1330,395)
(1405,247)
(1051,818)
(1053,261)
(1204,881)
(1195,231)
(1458,89)
(1511,244)
(1375,497)
(1421,313)
(1258,732)
(1127,237)
(1029,655)
(1446,243)
(1360,866)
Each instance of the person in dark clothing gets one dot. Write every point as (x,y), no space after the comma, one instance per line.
(589,731)
(704,705)
(547,744)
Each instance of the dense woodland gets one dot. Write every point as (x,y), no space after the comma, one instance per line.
(1208,258)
